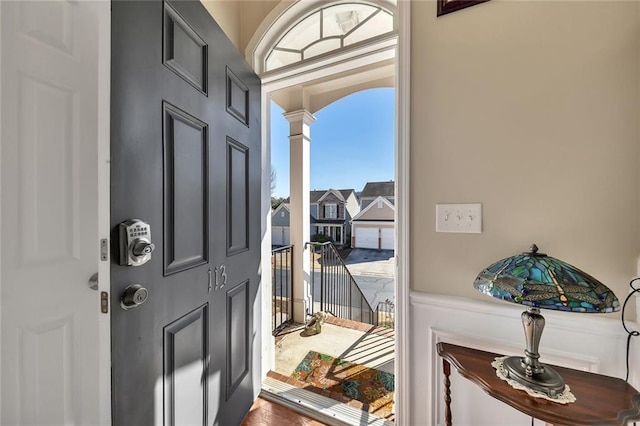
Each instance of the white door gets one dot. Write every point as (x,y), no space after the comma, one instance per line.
(367,238)
(49,212)
(387,236)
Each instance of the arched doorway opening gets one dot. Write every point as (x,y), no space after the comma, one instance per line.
(302,78)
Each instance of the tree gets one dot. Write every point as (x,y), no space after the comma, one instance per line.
(276,201)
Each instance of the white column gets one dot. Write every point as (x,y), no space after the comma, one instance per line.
(300,210)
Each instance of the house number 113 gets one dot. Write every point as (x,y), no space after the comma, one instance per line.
(217,277)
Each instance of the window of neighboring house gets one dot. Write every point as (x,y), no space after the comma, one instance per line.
(379,204)
(331,211)
(281,214)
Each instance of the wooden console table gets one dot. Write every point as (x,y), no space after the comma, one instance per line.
(600,400)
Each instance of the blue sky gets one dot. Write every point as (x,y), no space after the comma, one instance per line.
(352,142)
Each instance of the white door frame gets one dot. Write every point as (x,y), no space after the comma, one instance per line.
(402,156)
(104,206)
(0,209)
(402,105)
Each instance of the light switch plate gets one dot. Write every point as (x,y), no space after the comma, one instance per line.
(459,218)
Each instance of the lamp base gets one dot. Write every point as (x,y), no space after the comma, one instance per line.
(547,381)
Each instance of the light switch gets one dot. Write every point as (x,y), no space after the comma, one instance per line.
(459,218)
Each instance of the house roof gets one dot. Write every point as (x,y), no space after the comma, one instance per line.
(376,189)
(315,196)
(370,206)
(285,206)
(280,207)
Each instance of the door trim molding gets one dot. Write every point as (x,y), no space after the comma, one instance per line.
(268,341)
(1,210)
(402,160)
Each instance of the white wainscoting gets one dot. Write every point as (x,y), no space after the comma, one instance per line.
(590,342)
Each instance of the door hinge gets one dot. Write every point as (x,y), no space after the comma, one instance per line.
(104,302)
(104,249)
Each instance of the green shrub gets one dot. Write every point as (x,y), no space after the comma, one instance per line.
(320,238)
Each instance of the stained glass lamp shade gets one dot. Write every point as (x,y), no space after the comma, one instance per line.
(539,281)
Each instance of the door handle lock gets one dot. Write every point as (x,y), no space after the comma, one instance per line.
(135,242)
(133,296)
(142,248)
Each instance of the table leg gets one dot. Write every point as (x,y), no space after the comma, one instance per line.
(447,392)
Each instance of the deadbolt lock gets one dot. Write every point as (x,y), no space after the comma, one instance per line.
(133,296)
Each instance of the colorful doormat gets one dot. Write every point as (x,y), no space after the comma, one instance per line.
(330,376)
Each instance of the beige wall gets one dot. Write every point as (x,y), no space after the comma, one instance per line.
(227,15)
(239,19)
(530,108)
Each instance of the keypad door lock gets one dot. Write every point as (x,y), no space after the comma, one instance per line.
(133,296)
(135,242)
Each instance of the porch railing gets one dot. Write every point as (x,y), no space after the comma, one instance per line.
(333,288)
(282,279)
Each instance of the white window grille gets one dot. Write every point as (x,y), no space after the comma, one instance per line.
(329,29)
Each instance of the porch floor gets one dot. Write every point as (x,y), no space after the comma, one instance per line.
(352,341)
(363,344)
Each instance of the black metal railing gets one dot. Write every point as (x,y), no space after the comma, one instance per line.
(282,280)
(333,288)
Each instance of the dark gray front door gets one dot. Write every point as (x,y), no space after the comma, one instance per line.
(185,158)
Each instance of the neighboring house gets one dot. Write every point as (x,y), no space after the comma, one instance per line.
(374,226)
(373,190)
(333,210)
(280,225)
(331,213)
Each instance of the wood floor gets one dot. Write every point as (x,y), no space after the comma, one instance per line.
(266,413)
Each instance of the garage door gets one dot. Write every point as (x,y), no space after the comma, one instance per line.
(280,235)
(388,238)
(367,238)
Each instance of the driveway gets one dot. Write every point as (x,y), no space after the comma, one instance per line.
(374,271)
(371,262)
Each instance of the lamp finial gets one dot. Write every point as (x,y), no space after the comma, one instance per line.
(533,251)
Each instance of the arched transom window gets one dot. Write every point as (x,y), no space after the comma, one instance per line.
(329,29)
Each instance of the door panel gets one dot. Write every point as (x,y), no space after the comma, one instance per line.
(237,98)
(186,186)
(186,355)
(237,197)
(237,335)
(184,50)
(186,159)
